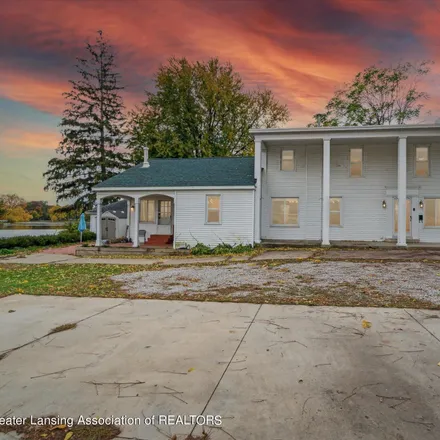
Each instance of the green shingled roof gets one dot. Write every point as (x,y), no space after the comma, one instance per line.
(210,171)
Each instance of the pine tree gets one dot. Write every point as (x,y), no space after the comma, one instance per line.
(92,128)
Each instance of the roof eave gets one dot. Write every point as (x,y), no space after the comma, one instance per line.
(170,188)
(296,130)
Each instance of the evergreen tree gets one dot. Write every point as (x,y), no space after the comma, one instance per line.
(92,128)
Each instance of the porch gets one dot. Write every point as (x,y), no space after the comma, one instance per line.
(360,185)
(149,225)
(358,245)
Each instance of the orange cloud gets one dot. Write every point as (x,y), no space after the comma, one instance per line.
(18,143)
(301,65)
(42,93)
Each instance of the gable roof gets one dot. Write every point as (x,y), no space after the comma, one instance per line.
(172,173)
(118,209)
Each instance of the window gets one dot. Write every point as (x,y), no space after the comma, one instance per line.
(285,212)
(287,160)
(422,162)
(432,213)
(356,162)
(148,211)
(213,209)
(335,211)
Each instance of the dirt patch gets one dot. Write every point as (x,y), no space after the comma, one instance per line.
(48,431)
(62,432)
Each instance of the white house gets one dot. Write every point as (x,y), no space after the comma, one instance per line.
(305,185)
(185,201)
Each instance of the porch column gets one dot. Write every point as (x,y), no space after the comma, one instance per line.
(326,192)
(257,205)
(128,217)
(136,223)
(98,222)
(401,192)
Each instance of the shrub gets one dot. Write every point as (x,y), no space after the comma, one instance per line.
(6,251)
(26,241)
(221,249)
(201,249)
(72,226)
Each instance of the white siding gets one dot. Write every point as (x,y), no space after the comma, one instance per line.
(363,217)
(93,223)
(236,218)
(428,187)
(304,183)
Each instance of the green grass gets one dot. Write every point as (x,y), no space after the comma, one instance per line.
(69,280)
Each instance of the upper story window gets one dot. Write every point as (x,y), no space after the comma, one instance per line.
(287,160)
(356,162)
(285,211)
(213,209)
(422,162)
(148,211)
(432,213)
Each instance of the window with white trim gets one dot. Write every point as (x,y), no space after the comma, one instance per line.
(285,211)
(287,160)
(213,208)
(422,162)
(432,213)
(356,162)
(147,211)
(335,211)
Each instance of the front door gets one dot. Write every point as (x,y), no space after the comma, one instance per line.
(396,217)
(164,215)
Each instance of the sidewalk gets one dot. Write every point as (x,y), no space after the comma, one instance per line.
(59,257)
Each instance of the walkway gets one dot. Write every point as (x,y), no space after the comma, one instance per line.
(299,254)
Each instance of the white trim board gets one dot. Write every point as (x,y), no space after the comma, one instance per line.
(169,188)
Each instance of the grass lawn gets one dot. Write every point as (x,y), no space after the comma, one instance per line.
(65,279)
(15,252)
(94,280)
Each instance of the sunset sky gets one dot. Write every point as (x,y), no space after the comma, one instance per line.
(301,49)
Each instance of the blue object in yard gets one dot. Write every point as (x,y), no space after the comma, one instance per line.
(82,226)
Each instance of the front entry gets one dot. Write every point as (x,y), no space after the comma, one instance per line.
(164,217)
(408,217)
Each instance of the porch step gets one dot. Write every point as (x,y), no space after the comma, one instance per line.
(159,240)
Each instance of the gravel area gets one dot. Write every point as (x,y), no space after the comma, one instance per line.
(418,280)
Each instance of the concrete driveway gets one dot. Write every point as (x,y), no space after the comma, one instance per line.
(271,372)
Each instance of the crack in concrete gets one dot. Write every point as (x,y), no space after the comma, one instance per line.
(5,353)
(228,365)
(421,325)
